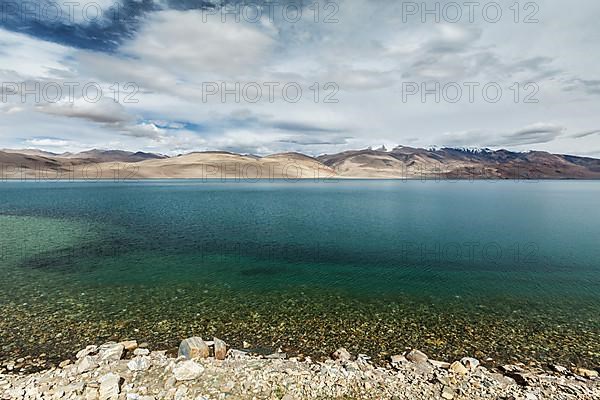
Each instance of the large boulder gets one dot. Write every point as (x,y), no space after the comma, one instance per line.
(193,348)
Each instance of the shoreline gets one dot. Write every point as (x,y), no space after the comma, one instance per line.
(427,178)
(212,370)
(44,329)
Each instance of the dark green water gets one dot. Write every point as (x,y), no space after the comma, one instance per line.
(508,270)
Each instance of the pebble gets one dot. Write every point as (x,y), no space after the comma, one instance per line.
(237,354)
(559,369)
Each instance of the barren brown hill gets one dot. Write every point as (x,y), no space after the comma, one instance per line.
(399,163)
(222,165)
(450,163)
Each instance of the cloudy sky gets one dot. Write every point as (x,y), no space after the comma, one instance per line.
(174,76)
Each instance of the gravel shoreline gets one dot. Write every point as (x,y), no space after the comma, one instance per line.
(206,370)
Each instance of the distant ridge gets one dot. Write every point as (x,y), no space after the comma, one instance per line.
(402,162)
(112,155)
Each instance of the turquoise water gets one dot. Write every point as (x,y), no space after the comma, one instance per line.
(507,270)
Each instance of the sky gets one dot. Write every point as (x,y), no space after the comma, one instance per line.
(175,76)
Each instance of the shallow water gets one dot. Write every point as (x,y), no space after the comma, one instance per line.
(508,270)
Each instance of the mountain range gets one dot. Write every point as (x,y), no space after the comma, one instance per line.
(399,163)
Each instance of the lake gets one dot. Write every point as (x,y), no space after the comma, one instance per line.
(507,270)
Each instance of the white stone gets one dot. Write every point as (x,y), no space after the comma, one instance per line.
(87,351)
(458,368)
(416,356)
(398,359)
(187,370)
(447,393)
(109,386)
(111,351)
(139,363)
(470,363)
(440,364)
(90,394)
(180,393)
(141,352)
(87,363)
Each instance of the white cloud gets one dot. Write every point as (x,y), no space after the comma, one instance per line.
(47,142)
(182,44)
(105,111)
(25,57)
(369,54)
(74,12)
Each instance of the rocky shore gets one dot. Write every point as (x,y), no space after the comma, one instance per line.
(204,370)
